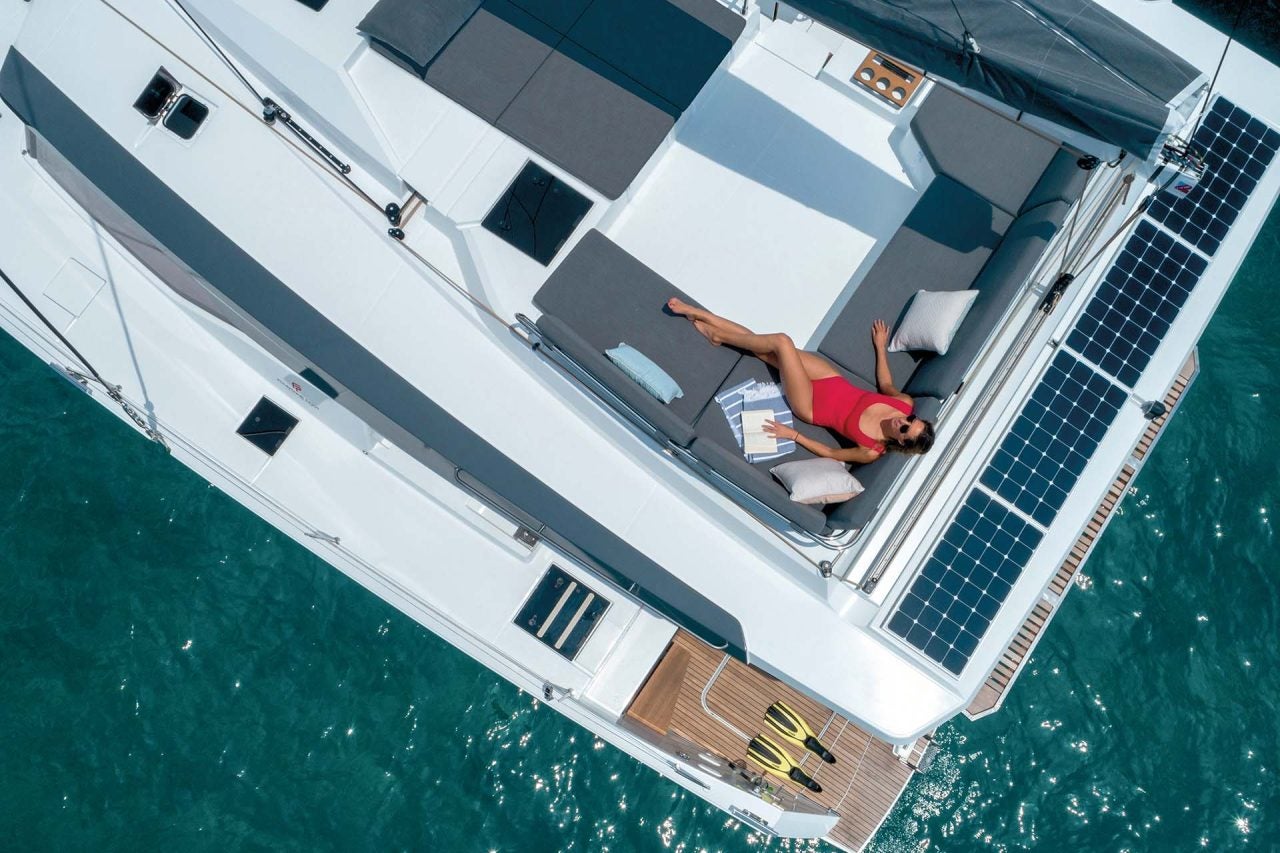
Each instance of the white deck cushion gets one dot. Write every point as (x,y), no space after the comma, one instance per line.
(817,481)
(932,321)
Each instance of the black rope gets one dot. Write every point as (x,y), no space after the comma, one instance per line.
(272,111)
(113,391)
(970,43)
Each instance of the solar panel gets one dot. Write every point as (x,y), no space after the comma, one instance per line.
(959,591)
(1238,150)
(1053,438)
(1136,303)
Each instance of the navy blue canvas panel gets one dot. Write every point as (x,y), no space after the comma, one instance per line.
(1053,438)
(960,590)
(1136,303)
(1238,148)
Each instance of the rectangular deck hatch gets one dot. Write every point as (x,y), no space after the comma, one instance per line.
(561,612)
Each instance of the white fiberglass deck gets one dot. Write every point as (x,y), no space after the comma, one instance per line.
(778,189)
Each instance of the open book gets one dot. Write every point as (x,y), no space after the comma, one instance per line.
(754,438)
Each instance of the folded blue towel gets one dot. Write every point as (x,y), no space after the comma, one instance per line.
(757,395)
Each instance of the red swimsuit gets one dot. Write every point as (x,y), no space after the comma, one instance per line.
(839,405)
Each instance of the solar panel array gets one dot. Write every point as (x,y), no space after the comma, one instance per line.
(954,598)
(1238,148)
(1137,302)
(984,549)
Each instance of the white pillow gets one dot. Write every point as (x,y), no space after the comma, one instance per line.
(932,320)
(817,481)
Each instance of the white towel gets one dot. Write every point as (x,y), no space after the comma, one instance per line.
(761,395)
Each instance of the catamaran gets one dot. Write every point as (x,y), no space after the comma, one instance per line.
(395,274)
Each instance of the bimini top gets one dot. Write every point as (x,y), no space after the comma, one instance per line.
(1069,61)
(592,85)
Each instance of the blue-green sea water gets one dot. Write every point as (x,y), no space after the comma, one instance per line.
(175,675)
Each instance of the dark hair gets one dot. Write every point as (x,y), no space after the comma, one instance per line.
(916,446)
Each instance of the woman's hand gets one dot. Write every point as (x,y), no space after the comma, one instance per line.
(879,334)
(779,431)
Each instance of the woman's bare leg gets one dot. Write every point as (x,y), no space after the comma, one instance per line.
(780,351)
(714,327)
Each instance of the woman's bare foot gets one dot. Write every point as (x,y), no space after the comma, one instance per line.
(684,309)
(707,332)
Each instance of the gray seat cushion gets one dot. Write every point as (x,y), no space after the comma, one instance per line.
(608,297)
(589,118)
(557,14)
(944,243)
(761,486)
(492,58)
(1001,281)
(650,408)
(995,157)
(411,32)
(670,48)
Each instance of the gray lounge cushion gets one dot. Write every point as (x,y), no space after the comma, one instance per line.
(607,297)
(760,485)
(668,49)
(654,411)
(1064,180)
(999,284)
(995,157)
(944,243)
(557,14)
(589,118)
(492,58)
(411,32)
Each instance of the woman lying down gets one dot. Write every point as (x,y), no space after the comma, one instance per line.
(818,394)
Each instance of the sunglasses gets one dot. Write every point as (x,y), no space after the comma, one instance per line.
(906,428)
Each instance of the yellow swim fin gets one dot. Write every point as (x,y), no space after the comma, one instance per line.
(778,761)
(792,726)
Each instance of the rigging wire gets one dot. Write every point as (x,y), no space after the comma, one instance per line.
(113,391)
(1231,35)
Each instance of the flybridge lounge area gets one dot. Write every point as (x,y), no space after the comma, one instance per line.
(999,194)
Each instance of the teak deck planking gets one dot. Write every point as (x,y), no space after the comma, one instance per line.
(861,786)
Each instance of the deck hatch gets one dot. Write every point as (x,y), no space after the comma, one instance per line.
(537,213)
(1238,149)
(1053,438)
(267,426)
(561,612)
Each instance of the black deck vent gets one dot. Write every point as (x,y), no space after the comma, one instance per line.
(267,426)
(156,96)
(561,612)
(537,213)
(186,117)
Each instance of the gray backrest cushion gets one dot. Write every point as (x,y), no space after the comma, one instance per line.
(944,243)
(492,58)
(761,486)
(1064,180)
(995,157)
(608,297)
(653,410)
(589,118)
(1001,282)
(667,49)
(412,32)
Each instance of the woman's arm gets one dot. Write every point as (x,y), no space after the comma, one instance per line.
(884,377)
(860,455)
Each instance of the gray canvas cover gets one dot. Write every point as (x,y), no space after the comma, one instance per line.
(1069,61)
